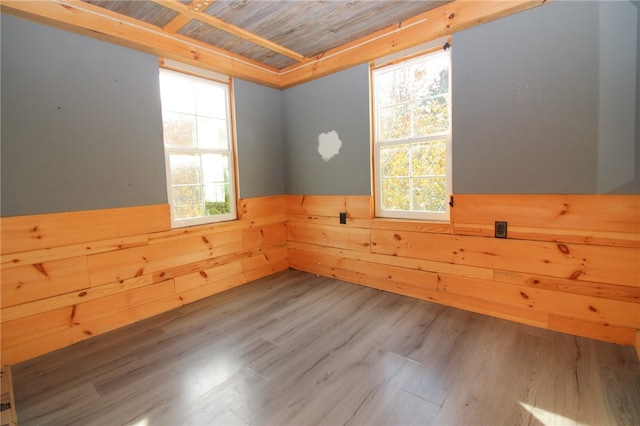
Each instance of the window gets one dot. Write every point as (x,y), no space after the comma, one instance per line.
(198,149)
(412,138)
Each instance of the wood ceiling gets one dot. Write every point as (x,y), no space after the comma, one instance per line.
(278,43)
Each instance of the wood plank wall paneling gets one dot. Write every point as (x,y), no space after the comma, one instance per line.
(611,220)
(45,231)
(69,276)
(571,262)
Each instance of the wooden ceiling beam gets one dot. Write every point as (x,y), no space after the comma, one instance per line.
(436,23)
(215,22)
(179,21)
(94,21)
(176,24)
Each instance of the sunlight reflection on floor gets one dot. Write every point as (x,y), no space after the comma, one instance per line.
(202,379)
(142,422)
(549,418)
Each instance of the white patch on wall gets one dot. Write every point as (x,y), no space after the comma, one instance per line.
(329,145)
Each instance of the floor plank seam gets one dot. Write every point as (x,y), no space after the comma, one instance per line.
(297,349)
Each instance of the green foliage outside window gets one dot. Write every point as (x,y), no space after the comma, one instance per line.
(412,122)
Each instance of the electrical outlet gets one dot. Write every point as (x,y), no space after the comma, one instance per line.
(343,218)
(501,229)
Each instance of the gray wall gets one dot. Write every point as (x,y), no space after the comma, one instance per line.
(260,139)
(634,186)
(340,103)
(81,120)
(544,101)
(81,123)
(82,126)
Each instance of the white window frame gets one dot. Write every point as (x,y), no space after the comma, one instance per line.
(377,144)
(229,152)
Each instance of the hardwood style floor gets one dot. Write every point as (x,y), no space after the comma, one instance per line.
(297,349)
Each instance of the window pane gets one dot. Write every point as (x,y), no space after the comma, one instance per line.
(187,201)
(431,77)
(429,194)
(185,169)
(215,168)
(217,200)
(212,133)
(393,87)
(394,161)
(395,194)
(429,158)
(176,93)
(431,116)
(211,100)
(394,122)
(179,129)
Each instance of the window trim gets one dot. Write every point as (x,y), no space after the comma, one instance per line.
(375,146)
(233,179)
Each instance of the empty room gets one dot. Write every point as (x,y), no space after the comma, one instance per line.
(320,212)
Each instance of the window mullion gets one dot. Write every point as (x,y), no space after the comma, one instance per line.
(411,175)
(202,197)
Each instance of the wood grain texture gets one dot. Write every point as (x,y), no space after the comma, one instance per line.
(93,21)
(227,27)
(583,219)
(295,348)
(69,299)
(355,239)
(122,264)
(613,265)
(260,207)
(580,274)
(356,206)
(26,233)
(273,44)
(42,280)
(616,213)
(54,297)
(31,257)
(439,22)
(581,236)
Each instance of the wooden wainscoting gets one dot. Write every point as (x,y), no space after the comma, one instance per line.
(69,276)
(571,263)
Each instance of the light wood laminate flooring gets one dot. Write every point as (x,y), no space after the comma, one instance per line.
(298,349)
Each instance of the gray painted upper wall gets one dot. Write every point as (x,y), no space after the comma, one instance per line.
(340,103)
(81,119)
(260,139)
(82,126)
(634,186)
(544,101)
(81,123)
